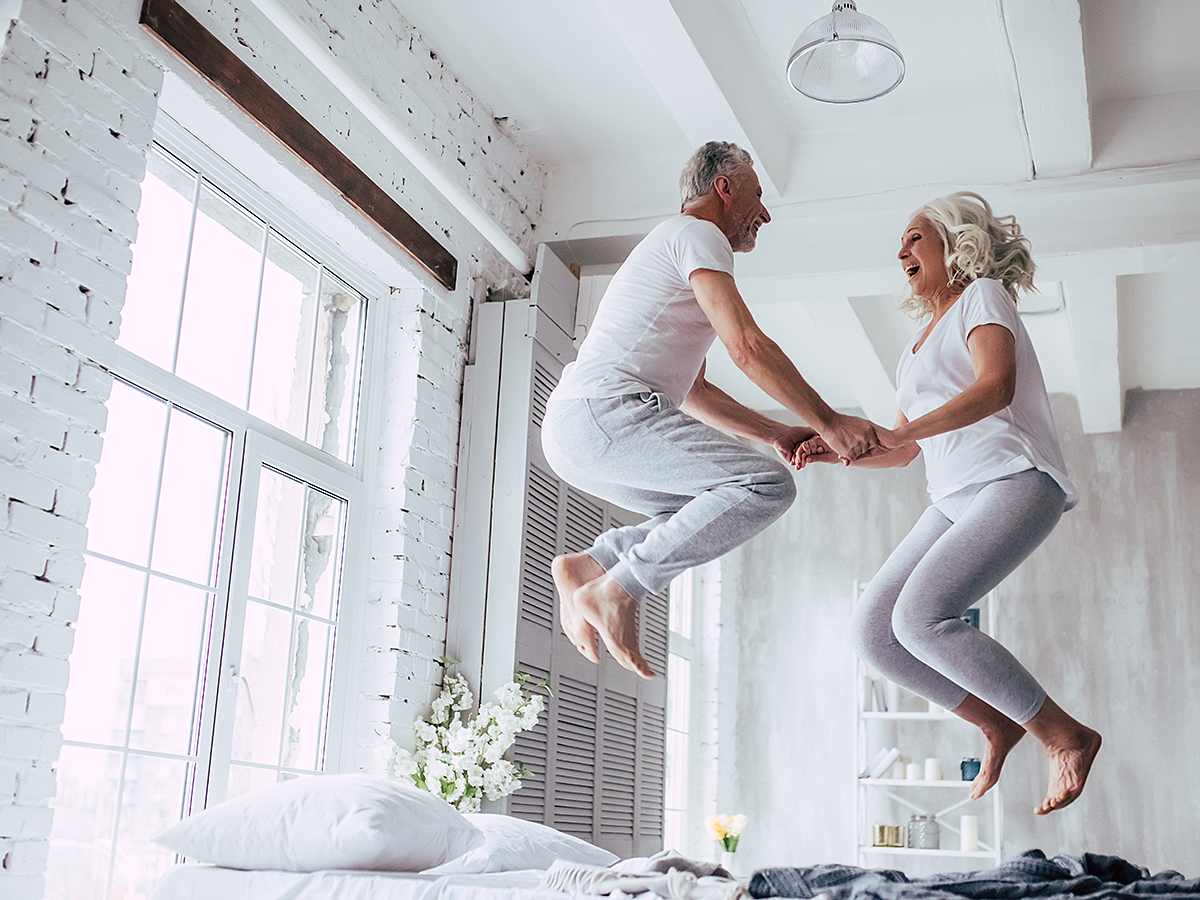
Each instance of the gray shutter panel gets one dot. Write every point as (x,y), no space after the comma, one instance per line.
(598,753)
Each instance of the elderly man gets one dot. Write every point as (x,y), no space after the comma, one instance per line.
(634,421)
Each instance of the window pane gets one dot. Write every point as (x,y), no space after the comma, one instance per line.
(277,529)
(123,498)
(172,652)
(334,403)
(681,604)
(244,779)
(221,300)
(258,721)
(678,692)
(308,676)
(150,316)
(82,835)
(287,654)
(105,647)
(151,801)
(283,350)
(321,572)
(193,485)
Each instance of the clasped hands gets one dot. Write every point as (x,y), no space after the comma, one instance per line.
(848,440)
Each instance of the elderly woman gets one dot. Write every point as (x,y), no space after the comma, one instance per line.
(971,396)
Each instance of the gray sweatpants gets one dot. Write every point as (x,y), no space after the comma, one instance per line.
(907,623)
(703,491)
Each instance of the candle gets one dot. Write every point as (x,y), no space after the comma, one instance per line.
(969,833)
(913,772)
(933,769)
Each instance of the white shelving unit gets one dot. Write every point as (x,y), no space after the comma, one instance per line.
(894,800)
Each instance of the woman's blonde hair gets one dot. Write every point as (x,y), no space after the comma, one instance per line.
(977,244)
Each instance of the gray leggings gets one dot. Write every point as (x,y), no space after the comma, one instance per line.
(907,623)
(703,491)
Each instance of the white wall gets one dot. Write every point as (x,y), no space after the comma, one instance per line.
(79,90)
(1103,614)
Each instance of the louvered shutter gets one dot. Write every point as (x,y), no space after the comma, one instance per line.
(598,755)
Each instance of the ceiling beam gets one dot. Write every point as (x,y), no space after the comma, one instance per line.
(1046,40)
(861,369)
(701,83)
(1092,311)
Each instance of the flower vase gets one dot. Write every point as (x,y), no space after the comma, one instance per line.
(727,861)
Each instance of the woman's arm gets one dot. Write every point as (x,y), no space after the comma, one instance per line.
(993,352)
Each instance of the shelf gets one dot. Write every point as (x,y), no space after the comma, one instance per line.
(915,782)
(909,851)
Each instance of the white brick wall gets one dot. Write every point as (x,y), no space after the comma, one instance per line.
(410,558)
(77,100)
(384,52)
(79,89)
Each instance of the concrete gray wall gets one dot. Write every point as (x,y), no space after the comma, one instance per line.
(1104,614)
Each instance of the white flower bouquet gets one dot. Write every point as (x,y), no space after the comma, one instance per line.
(463,761)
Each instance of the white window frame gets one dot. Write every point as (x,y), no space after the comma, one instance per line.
(253,442)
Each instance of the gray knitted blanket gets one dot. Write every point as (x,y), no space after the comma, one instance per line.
(1091,876)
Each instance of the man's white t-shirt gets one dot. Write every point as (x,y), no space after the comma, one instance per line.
(1019,437)
(649,333)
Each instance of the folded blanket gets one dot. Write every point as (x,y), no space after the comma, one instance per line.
(1092,876)
(675,882)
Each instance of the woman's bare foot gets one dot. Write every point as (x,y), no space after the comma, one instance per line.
(571,571)
(1001,738)
(607,608)
(1071,748)
(1001,734)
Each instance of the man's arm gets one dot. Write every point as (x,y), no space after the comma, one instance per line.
(768,366)
(714,407)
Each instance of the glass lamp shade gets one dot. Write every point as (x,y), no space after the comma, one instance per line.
(845,57)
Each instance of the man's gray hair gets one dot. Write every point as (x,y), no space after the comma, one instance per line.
(713,159)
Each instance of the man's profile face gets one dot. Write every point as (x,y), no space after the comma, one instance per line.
(747,213)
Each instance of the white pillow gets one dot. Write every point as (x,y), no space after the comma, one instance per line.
(511,844)
(327,822)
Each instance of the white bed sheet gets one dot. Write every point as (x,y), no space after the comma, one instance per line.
(205,882)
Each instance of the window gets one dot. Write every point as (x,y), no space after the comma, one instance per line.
(210,651)
(679,681)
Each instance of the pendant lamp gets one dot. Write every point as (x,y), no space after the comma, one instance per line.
(845,57)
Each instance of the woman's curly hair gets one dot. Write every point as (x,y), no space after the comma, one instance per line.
(977,244)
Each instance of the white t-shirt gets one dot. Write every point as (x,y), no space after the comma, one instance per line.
(649,333)
(1018,437)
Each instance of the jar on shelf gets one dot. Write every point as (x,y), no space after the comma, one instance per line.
(923,833)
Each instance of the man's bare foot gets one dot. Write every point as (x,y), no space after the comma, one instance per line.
(1001,737)
(1001,734)
(572,571)
(1071,748)
(607,608)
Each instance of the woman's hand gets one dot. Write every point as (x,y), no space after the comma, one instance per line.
(814,450)
(788,442)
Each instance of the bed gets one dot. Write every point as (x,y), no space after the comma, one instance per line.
(363,837)
(359,837)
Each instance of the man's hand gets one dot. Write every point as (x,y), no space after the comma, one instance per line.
(851,437)
(788,442)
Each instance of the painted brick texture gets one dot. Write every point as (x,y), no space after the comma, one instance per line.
(77,104)
(387,55)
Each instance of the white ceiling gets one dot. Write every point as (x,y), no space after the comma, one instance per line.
(1082,117)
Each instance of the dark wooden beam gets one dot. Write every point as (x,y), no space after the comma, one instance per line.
(176,28)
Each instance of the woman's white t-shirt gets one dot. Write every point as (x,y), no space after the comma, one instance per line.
(649,333)
(1018,437)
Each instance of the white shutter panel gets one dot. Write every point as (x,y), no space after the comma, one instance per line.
(598,754)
